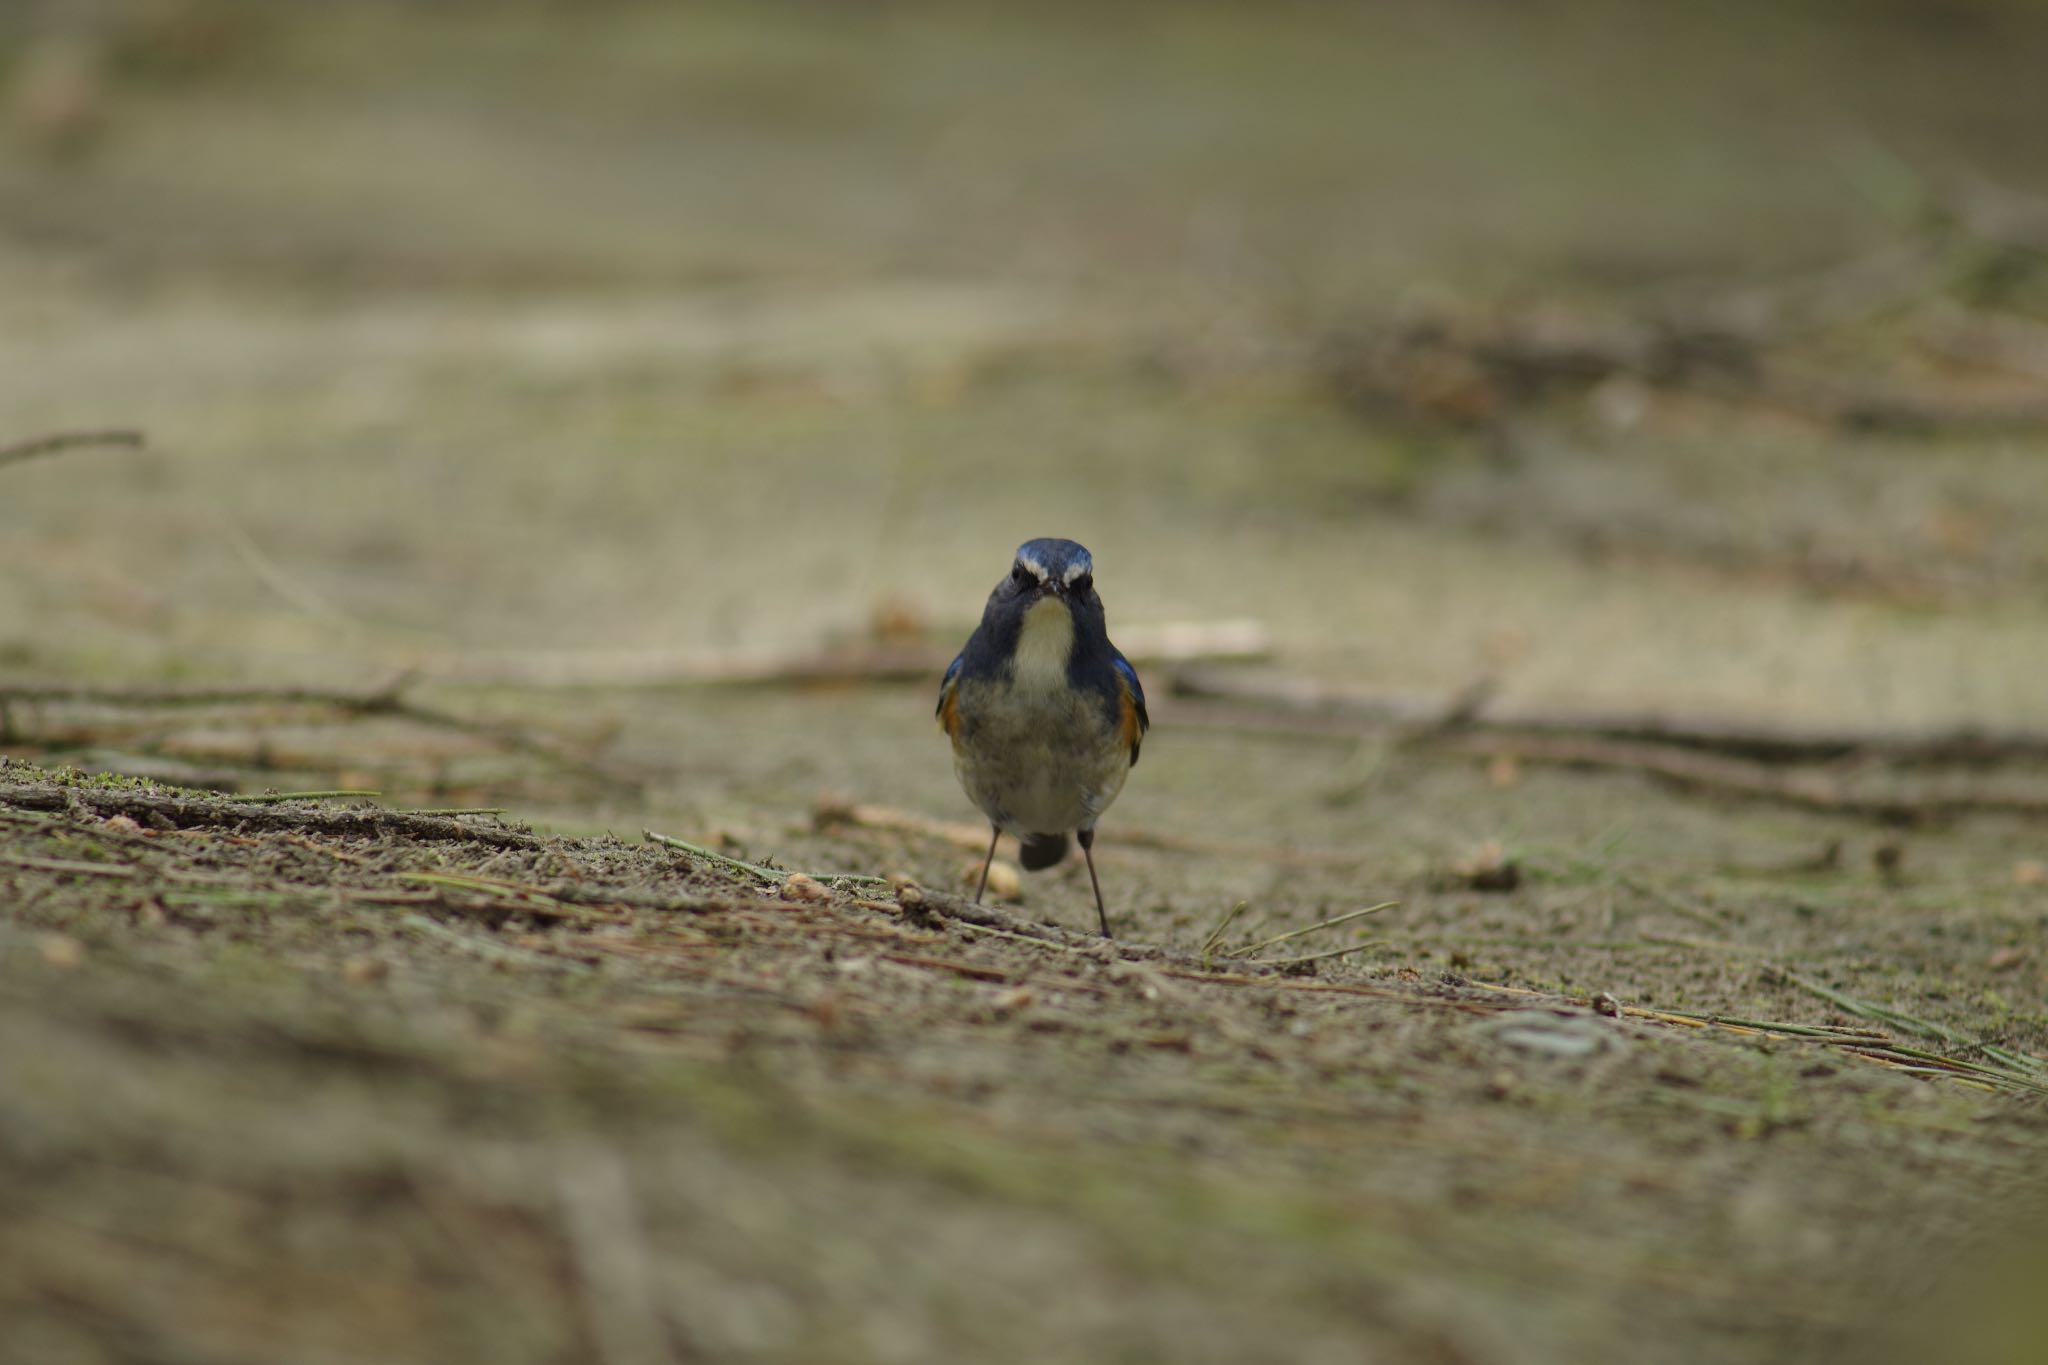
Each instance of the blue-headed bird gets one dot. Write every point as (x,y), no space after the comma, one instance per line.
(1045,715)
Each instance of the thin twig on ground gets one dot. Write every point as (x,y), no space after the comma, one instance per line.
(830,811)
(1254,949)
(1215,936)
(974,971)
(855,661)
(2015,1072)
(267,798)
(387,699)
(219,812)
(15,451)
(66,865)
(1925,1028)
(1265,698)
(1330,956)
(1901,803)
(769,874)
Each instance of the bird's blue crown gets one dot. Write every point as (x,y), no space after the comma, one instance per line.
(1054,560)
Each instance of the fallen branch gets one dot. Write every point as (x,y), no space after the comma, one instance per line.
(386,700)
(862,661)
(16,451)
(187,812)
(375,701)
(1478,374)
(1260,698)
(831,811)
(927,905)
(1901,803)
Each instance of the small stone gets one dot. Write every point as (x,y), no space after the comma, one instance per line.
(363,971)
(1605,1003)
(61,951)
(2006,958)
(1013,999)
(121,824)
(1567,1037)
(802,888)
(1005,882)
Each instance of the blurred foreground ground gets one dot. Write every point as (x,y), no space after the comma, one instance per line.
(1623,361)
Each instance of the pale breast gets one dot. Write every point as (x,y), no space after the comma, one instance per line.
(1037,756)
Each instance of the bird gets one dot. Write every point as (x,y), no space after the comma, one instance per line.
(1046,716)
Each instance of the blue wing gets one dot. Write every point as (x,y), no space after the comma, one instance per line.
(948,710)
(1136,721)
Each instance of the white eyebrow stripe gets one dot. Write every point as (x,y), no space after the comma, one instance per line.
(1037,569)
(1076,569)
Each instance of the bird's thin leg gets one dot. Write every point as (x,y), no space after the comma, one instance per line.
(993,835)
(1087,838)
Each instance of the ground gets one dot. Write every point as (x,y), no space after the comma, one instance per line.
(534,404)
(370,1090)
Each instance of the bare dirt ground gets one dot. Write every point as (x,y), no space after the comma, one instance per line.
(296,1080)
(1625,448)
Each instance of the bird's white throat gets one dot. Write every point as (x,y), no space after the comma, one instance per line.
(1044,643)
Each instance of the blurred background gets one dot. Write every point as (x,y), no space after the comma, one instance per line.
(1609,354)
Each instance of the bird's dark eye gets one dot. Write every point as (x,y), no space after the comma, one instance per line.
(1022,576)
(1084,582)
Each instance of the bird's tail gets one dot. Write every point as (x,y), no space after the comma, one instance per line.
(1038,851)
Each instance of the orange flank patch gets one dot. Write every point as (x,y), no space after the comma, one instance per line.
(949,712)
(1128,729)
